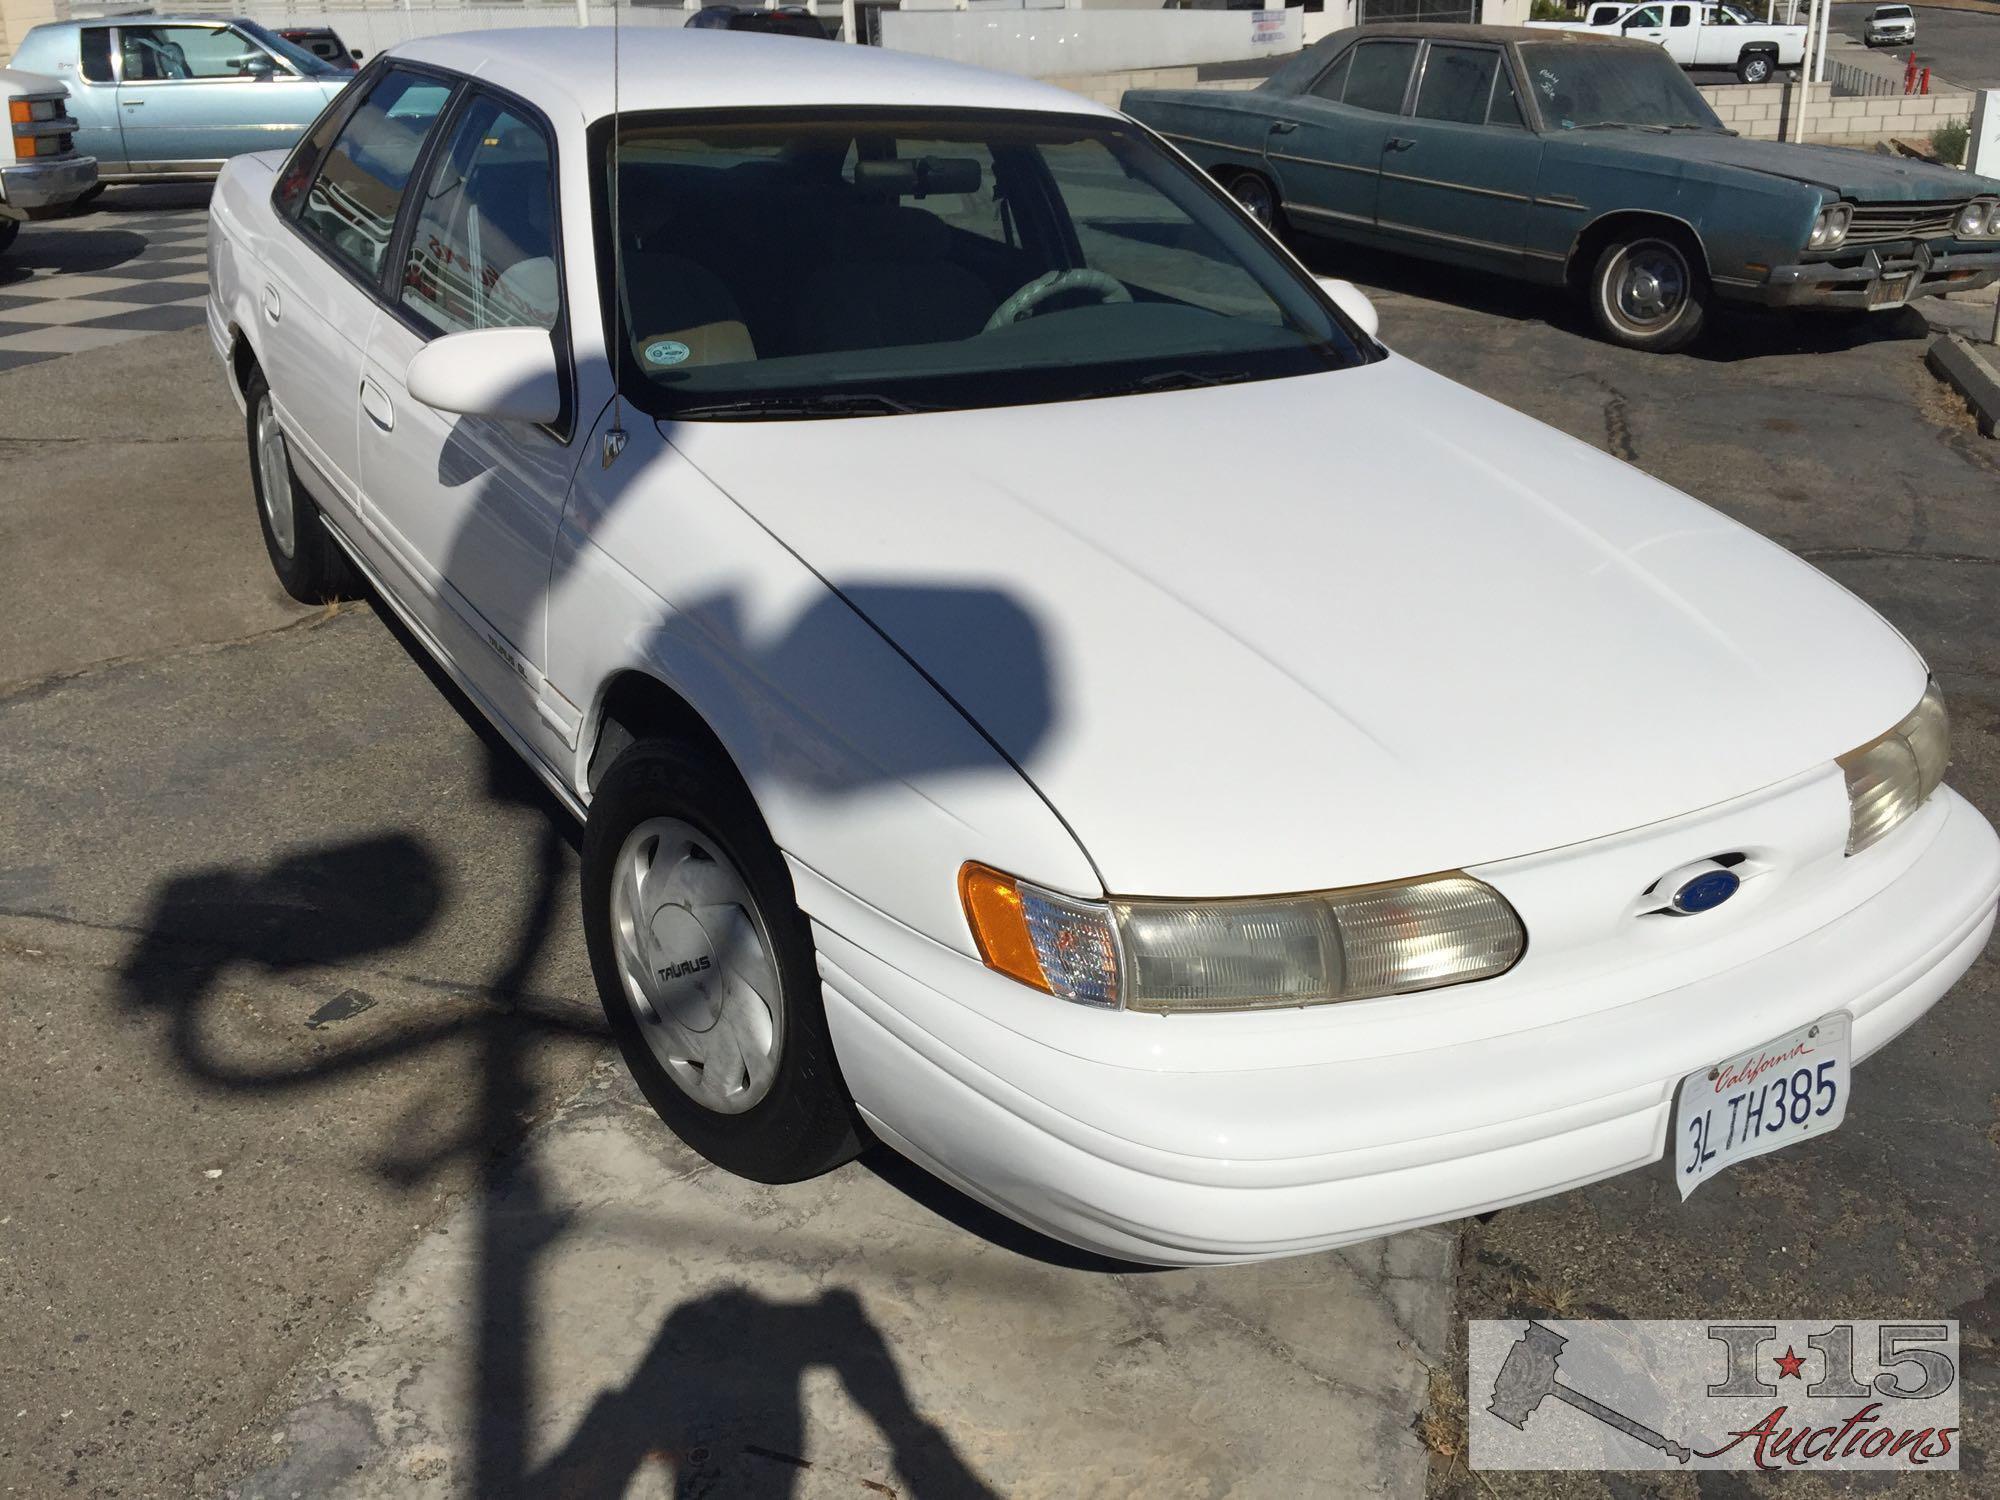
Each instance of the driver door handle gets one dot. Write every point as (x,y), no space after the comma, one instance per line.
(274,306)
(1400,143)
(375,401)
(1283,127)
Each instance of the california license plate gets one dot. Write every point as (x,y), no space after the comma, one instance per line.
(1889,291)
(1788,1090)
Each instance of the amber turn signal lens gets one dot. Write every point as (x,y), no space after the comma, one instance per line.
(25,145)
(20,111)
(999,926)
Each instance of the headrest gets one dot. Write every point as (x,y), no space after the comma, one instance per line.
(917,176)
(880,232)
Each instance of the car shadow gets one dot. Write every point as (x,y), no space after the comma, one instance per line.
(1734,333)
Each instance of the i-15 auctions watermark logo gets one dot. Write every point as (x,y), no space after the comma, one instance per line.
(1833,1394)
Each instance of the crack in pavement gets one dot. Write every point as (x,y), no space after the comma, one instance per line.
(192,951)
(32,689)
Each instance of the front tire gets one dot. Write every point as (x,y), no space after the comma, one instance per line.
(1649,292)
(706,970)
(1254,193)
(308,561)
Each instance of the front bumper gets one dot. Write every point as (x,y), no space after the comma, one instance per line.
(1282,1150)
(1884,277)
(35,190)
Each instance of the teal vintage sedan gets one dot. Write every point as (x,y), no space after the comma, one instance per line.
(169,99)
(1581,161)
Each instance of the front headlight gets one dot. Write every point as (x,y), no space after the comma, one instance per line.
(1251,954)
(1971,221)
(1830,228)
(1889,777)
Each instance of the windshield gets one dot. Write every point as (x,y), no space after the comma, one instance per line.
(1579,86)
(295,55)
(777,265)
(1892,12)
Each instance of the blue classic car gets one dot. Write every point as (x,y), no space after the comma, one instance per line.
(159,99)
(1576,160)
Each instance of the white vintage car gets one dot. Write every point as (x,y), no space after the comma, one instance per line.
(1044,687)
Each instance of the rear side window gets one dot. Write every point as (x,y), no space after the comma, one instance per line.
(1379,76)
(1457,83)
(1681,15)
(1334,79)
(96,60)
(483,254)
(351,206)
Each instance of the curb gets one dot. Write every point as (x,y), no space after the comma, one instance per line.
(1966,371)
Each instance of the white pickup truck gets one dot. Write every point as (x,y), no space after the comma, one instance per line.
(41,173)
(1697,35)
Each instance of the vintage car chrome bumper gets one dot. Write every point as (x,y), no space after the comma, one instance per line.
(33,190)
(1886,276)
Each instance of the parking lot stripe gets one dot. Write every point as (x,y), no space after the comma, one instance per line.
(67,310)
(65,340)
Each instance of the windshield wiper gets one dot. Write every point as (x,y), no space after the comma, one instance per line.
(854,404)
(1171,380)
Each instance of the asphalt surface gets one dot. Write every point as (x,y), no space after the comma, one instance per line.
(1828,436)
(321,1181)
(1960,45)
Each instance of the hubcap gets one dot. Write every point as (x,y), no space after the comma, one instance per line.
(696,965)
(1650,285)
(274,475)
(1252,195)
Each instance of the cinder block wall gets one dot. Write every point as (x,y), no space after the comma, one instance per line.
(1766,112)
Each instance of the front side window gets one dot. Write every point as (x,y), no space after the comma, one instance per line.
(1379,75)
(1506,107)
(1458,81)
(483,252)
(351,206)
(1647,19)
(1583,87)
(959,260)
(161,54)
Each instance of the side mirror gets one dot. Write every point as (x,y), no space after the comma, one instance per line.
(1351,300)
(508,374)
(355,53)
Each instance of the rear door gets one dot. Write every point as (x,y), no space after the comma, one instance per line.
(1325,143)
(340,192)
(466,508)
(1460,171)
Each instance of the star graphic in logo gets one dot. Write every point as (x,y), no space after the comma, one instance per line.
(1790,1364)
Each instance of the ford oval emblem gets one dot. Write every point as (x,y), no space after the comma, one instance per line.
(1705,892)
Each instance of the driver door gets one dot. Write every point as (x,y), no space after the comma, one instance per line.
(190,93)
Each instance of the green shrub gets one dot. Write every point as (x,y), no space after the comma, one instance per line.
(1948,140)
(1551,10)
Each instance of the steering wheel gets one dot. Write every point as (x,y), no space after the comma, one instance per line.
(1053,284)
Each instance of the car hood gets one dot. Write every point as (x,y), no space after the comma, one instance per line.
(1325,630)
(1860,175)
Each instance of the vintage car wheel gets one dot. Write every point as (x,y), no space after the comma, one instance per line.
(705,967)
(9,228)
(1258,198)
(1648,293)
(1756,67)
(306,558)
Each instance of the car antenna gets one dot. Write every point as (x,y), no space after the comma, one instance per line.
(614,435)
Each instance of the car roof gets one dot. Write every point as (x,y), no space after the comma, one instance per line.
(1444,31)
(681,68)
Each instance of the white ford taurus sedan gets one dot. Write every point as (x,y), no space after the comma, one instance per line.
(1045,688)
